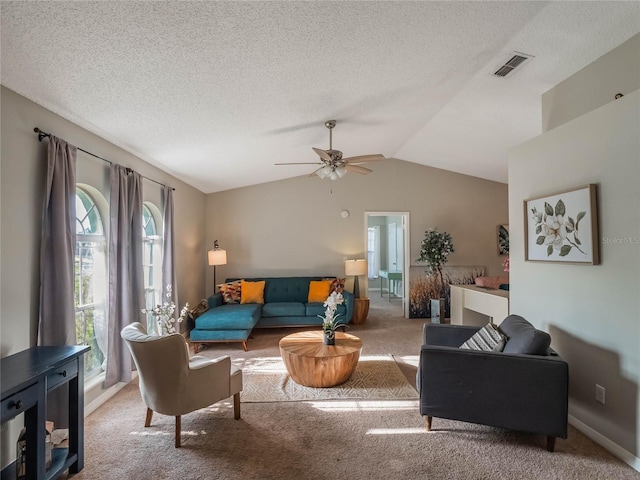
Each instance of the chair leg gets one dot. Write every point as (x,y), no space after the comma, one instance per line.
(244,346)
(427,423)
(551,443)
(236,406)
(178,429)
(147,422)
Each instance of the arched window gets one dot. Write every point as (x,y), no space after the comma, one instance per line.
(152,260)
(90,280)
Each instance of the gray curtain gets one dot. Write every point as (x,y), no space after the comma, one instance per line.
(56,323)
(168,249)
(57,251)
(126,289)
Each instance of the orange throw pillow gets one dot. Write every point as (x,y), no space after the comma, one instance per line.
(252,292)
(318,291)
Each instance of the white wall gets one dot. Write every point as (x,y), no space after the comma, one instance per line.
(595,85)
(23,166)
(294,227)
(591,312)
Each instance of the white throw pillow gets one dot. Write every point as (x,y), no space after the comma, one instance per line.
(488,339)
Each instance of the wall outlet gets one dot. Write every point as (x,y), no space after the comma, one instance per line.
(600,391)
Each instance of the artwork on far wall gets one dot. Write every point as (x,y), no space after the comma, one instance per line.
(503,239)
(563,227)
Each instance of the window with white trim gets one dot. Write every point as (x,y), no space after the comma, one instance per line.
(90,282)
(152,261)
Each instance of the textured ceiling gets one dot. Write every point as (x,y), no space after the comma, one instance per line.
(217,92)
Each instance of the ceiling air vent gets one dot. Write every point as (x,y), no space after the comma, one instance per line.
(515,61)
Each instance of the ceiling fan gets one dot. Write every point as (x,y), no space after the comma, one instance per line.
(332,165)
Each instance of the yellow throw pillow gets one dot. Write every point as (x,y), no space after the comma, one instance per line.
(319,290)
(252,292)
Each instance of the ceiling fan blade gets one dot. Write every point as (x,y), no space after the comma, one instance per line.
(322,154)
(299,163)
(315,172)
(364,158)
(357,169)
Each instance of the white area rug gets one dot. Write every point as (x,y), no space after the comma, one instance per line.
(375,378)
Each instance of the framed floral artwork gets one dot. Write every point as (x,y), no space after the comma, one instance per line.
(503,239)
(563,227)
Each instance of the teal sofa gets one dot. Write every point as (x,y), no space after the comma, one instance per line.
(285,305)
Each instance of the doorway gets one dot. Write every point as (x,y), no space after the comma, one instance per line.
(387,246)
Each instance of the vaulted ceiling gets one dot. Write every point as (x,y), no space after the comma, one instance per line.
(215,93)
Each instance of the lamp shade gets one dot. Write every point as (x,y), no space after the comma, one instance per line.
(355,267)
(217,257)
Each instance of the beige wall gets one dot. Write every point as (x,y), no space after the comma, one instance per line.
(293,226)
(591,312)
(23,165)
(595,85)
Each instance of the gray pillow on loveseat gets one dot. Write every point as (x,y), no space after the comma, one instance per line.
(522,337)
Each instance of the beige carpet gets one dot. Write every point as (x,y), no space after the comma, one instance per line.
(328,439)
(375,378)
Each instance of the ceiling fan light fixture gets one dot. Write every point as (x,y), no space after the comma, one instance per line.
(341,172)
(327,170)
(334,175)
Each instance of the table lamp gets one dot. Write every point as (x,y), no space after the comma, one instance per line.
(355,268)
(217,256)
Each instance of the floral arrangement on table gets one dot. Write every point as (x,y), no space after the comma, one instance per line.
(435,250)
(505,264)
(330,320)
(164,314)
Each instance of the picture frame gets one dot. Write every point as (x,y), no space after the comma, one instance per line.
(563,227)
(503,239)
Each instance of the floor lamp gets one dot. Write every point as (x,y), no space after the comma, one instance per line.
(217,256)
(355,268)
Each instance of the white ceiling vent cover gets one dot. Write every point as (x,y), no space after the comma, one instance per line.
(515,61)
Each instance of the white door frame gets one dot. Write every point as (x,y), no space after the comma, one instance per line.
(406,262)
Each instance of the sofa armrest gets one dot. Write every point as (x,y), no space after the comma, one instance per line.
(447,335)
(215,300)
(514,391)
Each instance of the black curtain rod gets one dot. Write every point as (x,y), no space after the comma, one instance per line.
(42,135)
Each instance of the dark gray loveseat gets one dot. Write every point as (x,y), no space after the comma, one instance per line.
(516,391)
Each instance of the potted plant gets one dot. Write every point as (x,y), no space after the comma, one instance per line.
(435,250)
(330,322)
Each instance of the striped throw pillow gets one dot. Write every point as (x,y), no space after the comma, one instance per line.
(487,339)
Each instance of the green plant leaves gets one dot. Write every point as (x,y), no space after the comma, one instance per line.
(549,250)
(540,240)
(564,251)
(560,209)
(580,217)
(548,209)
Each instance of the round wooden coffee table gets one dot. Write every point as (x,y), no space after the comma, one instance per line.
(313,364)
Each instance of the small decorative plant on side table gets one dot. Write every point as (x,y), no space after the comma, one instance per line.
(330,322)
(435,250)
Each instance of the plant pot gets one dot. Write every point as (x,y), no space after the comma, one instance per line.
(329,338)
(438,313)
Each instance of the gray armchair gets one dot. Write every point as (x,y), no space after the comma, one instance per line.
(515,391)
(173,384)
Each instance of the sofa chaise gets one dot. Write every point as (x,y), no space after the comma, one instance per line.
(285,303)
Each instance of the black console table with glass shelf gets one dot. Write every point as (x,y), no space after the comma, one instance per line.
(26,379)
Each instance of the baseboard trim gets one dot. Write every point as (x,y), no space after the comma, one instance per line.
(612,447)
(106,395)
